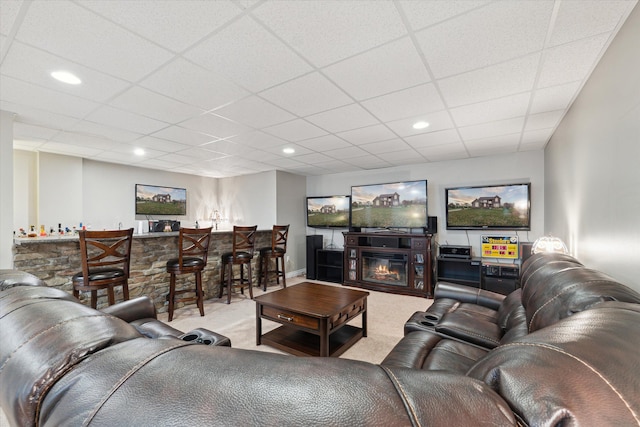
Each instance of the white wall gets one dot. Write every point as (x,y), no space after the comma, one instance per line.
(593,164)
(291,194)
(6,189)
(249,199)
(499,169)
(108,192)
(59,191)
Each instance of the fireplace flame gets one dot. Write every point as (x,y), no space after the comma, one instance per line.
(382,269)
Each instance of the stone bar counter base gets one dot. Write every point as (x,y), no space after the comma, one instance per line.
(56,260)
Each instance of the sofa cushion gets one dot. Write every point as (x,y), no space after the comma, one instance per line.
(570,291)
(581,370)
(10,278)
(46,332)
(163,382)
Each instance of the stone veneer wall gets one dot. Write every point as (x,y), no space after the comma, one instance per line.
(56,261)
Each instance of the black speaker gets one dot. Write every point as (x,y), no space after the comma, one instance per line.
(384,242)
(432,224)
(313,244)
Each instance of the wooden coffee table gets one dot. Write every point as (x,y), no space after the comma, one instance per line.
(314,319)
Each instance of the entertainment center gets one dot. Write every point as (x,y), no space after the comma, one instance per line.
(390,262)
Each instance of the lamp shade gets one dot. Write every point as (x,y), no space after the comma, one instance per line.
(549,244)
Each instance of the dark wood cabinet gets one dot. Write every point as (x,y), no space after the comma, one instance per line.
(390,262)
(464,271)
(329,265)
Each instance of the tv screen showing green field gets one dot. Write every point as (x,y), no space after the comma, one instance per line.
(156,200)
(392,205)
(328,212)
(504,207)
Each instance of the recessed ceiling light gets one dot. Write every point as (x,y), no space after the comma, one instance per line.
(138,152)
(66,77)
(420,125)
(288,151)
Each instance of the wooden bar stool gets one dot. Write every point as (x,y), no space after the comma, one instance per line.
(106,257)
(242,255)
(275,252)
(193,245)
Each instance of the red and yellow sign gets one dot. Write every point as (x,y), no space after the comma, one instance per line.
(500,247)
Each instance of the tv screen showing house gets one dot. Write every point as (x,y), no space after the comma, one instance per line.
(506,207)
(391,205)
(328,212)
(156,200)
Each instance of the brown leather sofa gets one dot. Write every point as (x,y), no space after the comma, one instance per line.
(62,363)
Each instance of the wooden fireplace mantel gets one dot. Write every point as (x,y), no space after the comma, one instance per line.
(416,248)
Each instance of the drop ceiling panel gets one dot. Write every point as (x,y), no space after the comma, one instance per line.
(490,111)
(307,95)
(493,129)
(554,97)
(117,134)
(577,20)
(130,121)
(410,102)
(8,13)
(215,126)
(421,14)
(326,77)
(36,116)
(159,144)
(476,39)
(367,134)
(381,147)
(67,29)
(493,82)
(438,153)
(35,66)
(328,31)
(244,47)
(194,85)
(254,111)
(325,143)
(433,138)
(570,62)
(150,104)
(295,130)
(343,118)
(258,139)
(438,120)
(388,68)
(183,136)
(167,23)
(52,101)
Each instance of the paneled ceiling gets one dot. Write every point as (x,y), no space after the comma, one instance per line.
(220,88)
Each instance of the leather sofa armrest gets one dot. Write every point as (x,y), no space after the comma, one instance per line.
(470,329)
(468,294)
(207,337)
(133,309)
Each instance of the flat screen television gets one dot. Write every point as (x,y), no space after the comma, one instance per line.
(392,205)
(156,200)
(328,211)
(489,207)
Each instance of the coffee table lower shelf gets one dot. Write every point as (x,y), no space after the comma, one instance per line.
(301,343)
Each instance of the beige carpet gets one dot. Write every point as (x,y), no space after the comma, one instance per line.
(386,316)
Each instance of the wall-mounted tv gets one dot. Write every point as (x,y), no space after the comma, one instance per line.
(391,205)
(328,212)
(155,200)
(500,207)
